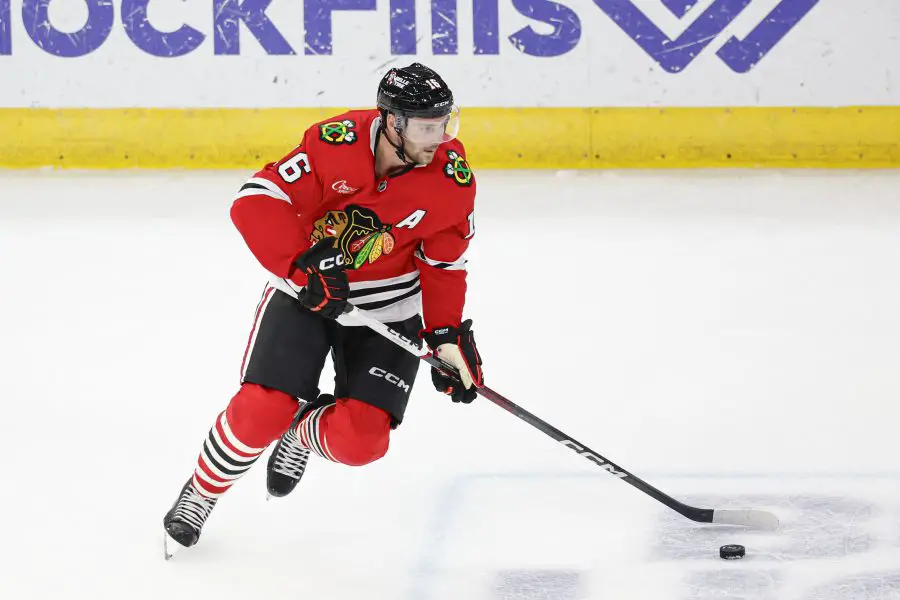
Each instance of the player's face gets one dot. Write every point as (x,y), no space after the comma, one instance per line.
(423,136)
(422,154)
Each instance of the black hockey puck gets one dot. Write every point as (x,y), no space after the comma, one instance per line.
(732,552)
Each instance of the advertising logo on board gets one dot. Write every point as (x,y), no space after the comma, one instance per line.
(675,54)
(559,32)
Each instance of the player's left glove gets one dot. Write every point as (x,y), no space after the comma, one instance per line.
(456,347)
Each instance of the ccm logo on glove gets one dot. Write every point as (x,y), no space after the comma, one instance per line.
(456,347)
(326,264)
(327,288)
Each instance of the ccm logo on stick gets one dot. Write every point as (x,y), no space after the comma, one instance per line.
(593,458)
(389,377)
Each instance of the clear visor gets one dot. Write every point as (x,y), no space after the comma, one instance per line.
(432,131)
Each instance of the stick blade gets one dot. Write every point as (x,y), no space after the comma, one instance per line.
(757,519)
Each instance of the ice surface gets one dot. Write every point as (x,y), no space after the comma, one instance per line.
(732,337)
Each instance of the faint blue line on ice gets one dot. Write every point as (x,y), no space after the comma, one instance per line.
(445,512)
(443,515)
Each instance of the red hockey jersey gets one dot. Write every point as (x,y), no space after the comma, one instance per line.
(406,234)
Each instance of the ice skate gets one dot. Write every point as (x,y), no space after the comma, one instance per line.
(288,460)
(185,519)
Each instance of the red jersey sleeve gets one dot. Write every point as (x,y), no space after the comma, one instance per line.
(267,210)
(442,269)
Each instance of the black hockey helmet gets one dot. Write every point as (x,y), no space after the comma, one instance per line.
(414,91)
(422,105)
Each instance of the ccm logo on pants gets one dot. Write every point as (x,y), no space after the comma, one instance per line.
(390,377)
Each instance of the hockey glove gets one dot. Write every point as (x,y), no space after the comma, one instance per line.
(327,288)
(456,347)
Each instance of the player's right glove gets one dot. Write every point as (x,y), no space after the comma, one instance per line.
(327,288)
(456,347)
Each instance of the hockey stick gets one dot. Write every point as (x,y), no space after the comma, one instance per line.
(758,519)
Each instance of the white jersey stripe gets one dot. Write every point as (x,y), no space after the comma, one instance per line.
(456,265)
(380,296)
(276,191)
(229,435)
(401,310)
(198,484)
(364,285)
(257,192)
(201,474)
(230,455)
(209,460)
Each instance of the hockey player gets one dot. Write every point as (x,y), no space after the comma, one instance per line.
(374,207)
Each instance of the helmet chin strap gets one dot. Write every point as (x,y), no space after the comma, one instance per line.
(399,149)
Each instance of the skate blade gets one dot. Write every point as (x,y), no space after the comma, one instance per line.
(170,547)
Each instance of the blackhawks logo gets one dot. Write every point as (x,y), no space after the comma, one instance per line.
(458,169)
(338,132)
(358,233)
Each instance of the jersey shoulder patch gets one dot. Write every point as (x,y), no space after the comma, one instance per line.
(457,169)
(338,132)
(351,128)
